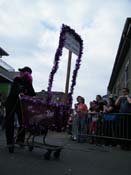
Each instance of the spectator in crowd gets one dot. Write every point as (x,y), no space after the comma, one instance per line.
(92,107)
(92,119)
(99,103)
(81,111)
(110,107)
(124,105)
(75,120)
(124,101)
(21,85)
(78,101)
(109,121)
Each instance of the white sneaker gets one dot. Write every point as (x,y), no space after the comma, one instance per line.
(74,138)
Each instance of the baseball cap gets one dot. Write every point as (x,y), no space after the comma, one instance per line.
(25,69)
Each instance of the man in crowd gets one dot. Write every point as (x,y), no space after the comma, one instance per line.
(124,101)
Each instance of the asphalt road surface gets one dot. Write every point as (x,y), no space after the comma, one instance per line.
(75,159)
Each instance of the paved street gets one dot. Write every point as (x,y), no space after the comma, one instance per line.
(75,159)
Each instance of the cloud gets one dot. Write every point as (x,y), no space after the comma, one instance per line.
(29,31)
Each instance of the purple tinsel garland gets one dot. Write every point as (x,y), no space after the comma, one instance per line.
(58,53)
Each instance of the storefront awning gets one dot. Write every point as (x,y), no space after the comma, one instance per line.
(3,52)
(4,79)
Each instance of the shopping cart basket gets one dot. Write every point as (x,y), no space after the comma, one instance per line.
(38,117)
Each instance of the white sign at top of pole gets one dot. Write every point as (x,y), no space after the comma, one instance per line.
(72,44)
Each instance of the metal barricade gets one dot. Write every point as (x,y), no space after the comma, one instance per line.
(110,126)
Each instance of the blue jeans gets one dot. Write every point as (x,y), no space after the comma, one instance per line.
(82,123)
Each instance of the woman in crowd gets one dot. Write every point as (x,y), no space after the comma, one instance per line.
(81,110)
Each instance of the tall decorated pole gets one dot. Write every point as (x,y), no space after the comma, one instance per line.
(68,77)
(73,42)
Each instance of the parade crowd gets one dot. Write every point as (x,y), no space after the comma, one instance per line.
(84,121)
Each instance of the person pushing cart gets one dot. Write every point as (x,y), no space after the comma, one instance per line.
(22,85)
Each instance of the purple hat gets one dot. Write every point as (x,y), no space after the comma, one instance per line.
(25,69)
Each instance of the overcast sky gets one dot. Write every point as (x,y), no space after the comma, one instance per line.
(29,32)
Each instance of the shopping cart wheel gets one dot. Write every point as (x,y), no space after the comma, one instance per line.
(57,154)
(47,155)
(30,148)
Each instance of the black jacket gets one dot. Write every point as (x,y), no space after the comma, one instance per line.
(20,85)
